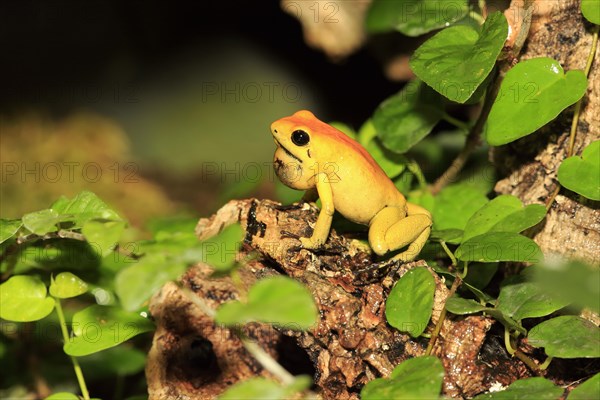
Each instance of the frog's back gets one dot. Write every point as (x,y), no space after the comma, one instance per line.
(360,187)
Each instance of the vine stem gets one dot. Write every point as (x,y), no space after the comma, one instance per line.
(76,366)
(438,326)
(472,141)
(576,112)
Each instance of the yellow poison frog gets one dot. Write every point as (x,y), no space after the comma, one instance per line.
(314,156)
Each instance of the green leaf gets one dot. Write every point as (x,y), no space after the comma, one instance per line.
(84,207)
(97,328)
(455,204)
(480,274)
(571,280)
(490,214)
(457,60)
(23,299)
(452,236)
(589,389)
(499,246)
(103,235)
(413,17)
(567,336)
(42,222)
(504,213)
(255,388)
(459,306)
(405,118)
(526,389)
(392,164)
(276,300)
(408,307)
(136,283)
(523,299)
(416,378)
(582,174)
(220,251)
(62,396)
(67,285)
(121,360)
(591,10)
(532,94)
(521,219)
(8,227)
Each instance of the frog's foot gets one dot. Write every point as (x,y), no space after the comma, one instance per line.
(311,244)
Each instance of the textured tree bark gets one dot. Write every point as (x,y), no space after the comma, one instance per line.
(192,357)
(572,226)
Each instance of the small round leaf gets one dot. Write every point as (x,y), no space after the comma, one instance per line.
(66,285)
(408,307)
(582,174)
(23,299)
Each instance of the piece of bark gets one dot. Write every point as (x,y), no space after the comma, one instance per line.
(352,343)
(572,226)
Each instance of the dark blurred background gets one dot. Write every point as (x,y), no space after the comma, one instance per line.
(192,86)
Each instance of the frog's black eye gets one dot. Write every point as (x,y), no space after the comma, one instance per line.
(300,138)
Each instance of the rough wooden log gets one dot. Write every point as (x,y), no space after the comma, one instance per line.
(191,357)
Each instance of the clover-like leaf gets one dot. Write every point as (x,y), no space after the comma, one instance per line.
(532,94)
(66,285)
(416,378)
(456,61)
(23,298)
(8,227)
(527,389)
(413,17)
(499,246)
(97,328)
(591,10)
(277,300)
(582,174)
(408,307)
(405,118)
(567,336)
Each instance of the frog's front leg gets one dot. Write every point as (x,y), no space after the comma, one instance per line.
(323,225)
(395,227)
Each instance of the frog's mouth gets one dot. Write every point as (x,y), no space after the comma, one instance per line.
(289,153)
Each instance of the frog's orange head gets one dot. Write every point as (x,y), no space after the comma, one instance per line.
(300,144)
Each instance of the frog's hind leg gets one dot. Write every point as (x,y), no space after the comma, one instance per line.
(392,229)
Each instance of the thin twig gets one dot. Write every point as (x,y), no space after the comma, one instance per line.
(438,326)
(473,139)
